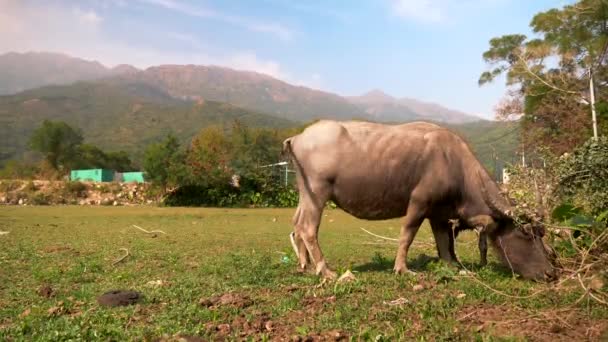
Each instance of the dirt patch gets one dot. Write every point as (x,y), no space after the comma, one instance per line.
(314,305)
(60,249)
(45,291)
(276,330)
(119,298)
(546,325)
(232,299)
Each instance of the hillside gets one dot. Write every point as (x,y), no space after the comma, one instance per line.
(495,143)
(113,115)
(383,107)
(23,71)
(247,89)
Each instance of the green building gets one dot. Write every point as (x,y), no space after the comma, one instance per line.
(92,175)
(137,177)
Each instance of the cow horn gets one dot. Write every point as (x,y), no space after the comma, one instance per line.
(495,206)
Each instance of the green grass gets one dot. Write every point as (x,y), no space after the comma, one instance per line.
(214,251)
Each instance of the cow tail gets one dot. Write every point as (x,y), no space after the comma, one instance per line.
(287,147)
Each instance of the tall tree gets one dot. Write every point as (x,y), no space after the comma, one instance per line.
(58,141)
(549,76)
(164,163)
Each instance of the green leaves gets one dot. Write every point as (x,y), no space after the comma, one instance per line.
(58,141)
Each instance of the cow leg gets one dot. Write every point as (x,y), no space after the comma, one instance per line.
(444,239)
(483,247)
(412,221)
(300,247)
(307,226)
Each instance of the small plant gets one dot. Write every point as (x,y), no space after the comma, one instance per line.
(30,186)
(75,188)
(40,199)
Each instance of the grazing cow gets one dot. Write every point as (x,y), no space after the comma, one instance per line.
(416,170)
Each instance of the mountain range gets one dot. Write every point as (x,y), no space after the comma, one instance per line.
(126,108)
(252,90)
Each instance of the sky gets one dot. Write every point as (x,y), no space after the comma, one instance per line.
(430,50)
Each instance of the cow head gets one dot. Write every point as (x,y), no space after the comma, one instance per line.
(518,239)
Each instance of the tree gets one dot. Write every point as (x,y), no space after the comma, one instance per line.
(58,141)
(164,163)
(549,76)
(90,156)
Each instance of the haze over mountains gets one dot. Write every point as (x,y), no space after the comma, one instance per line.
(251,90)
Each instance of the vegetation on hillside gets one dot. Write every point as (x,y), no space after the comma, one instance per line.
(114,116)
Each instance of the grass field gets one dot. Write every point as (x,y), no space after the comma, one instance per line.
(207,252)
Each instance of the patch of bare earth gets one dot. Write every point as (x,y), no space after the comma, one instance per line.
(544,325)
(256,324)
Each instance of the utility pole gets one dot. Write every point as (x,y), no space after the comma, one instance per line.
(592,97)
(523,155)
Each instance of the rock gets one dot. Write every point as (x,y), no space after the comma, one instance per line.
(119,298)
(346,277)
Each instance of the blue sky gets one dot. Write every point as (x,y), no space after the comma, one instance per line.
(425,49)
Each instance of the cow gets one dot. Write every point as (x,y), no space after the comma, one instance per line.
(414,171)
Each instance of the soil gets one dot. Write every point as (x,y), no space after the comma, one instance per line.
(119,298)
(233,299)
(45,291)
(261,323)
(547,325)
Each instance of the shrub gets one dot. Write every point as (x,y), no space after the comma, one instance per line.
(75,188)
(40,198)
(583,176)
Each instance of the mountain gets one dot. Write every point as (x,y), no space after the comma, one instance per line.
(115,115)
(247,89)
(23,71)
(383,107)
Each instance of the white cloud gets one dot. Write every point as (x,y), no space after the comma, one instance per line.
(276,29)
(436,11)
(88,17)
(249,61)
(423,10)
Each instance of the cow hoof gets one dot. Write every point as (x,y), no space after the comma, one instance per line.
(405,271)
(329,275)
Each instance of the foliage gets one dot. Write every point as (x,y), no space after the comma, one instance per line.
(18,169)
(588,237)
(554,99)
(116,115)
(75,188)
(91,157)
(226,166)
(583,176)
(164,163)
(58,141)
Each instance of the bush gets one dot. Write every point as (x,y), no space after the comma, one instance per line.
(40,199)
(75,188)
(583,176)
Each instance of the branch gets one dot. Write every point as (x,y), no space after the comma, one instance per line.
(378,236)
(527,69)
(123,257)
(149,232)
